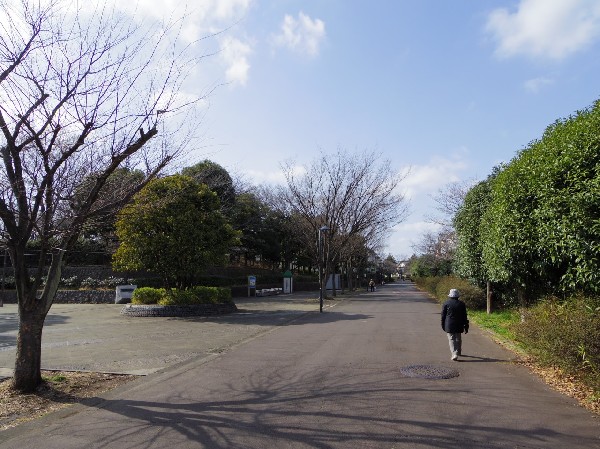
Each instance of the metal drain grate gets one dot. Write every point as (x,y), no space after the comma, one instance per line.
(429,372)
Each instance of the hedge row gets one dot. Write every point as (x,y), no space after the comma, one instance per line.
(439,286)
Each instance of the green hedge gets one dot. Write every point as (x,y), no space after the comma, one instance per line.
(439,286)
(194,295)
(147,295)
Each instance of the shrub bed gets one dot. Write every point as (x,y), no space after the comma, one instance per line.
(147,295)
(565,334)
(191,296)
(439,286)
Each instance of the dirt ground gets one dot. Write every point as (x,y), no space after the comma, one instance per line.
(59,390)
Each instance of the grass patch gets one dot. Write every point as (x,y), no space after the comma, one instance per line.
(500,323)
(57,378)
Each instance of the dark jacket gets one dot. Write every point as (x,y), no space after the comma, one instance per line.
(454,316)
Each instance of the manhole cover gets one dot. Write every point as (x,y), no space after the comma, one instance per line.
(429,372)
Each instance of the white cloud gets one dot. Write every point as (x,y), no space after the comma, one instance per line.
(407,234)
(551,29)
(229,9)
(427,179)
(302,35)
(235,55)
(536,84)
(420,183)
(199,18)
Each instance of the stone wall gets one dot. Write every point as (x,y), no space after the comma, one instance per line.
(69,297)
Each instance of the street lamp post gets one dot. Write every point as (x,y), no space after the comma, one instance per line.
(322,231)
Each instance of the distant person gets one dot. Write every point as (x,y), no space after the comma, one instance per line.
(454,322)
(372,285)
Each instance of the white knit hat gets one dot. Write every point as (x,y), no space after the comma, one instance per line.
(454,293)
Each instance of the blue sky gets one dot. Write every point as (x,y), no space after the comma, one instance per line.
(447,89)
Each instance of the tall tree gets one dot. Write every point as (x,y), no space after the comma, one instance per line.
(79,97)
(440,245)
(260,228)
(101,228)
(448,201)
(216,178)
(351,194)
(173,227)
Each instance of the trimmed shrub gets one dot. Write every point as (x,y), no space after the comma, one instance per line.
(213,294)
(196,295)
(147,295)
(178,298)
(224,295)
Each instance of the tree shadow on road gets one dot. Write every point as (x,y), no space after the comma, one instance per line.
(277,317)
(9,325)
(317,410)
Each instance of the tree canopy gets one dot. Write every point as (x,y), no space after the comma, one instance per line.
(351,194)
(467,223)
(216,178)
(535,224)
(174,228)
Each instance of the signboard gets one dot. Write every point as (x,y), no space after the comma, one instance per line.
(124,293)
(251,285)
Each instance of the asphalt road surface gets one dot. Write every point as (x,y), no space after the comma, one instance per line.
(371,372)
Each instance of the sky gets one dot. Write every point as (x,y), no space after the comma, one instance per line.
(444,90)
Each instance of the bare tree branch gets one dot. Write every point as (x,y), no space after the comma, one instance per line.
(83,93)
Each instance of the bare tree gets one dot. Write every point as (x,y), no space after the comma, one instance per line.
(442,243)
(448,201)
(82,93)
(352,194)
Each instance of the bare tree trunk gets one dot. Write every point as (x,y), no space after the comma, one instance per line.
(32,314)
(349,274)
(29,351)
(489,297)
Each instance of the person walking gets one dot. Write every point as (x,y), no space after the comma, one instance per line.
(454,322)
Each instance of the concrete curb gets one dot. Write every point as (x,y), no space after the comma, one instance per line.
(153,310)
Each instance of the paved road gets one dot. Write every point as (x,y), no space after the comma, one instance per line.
(341,379)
